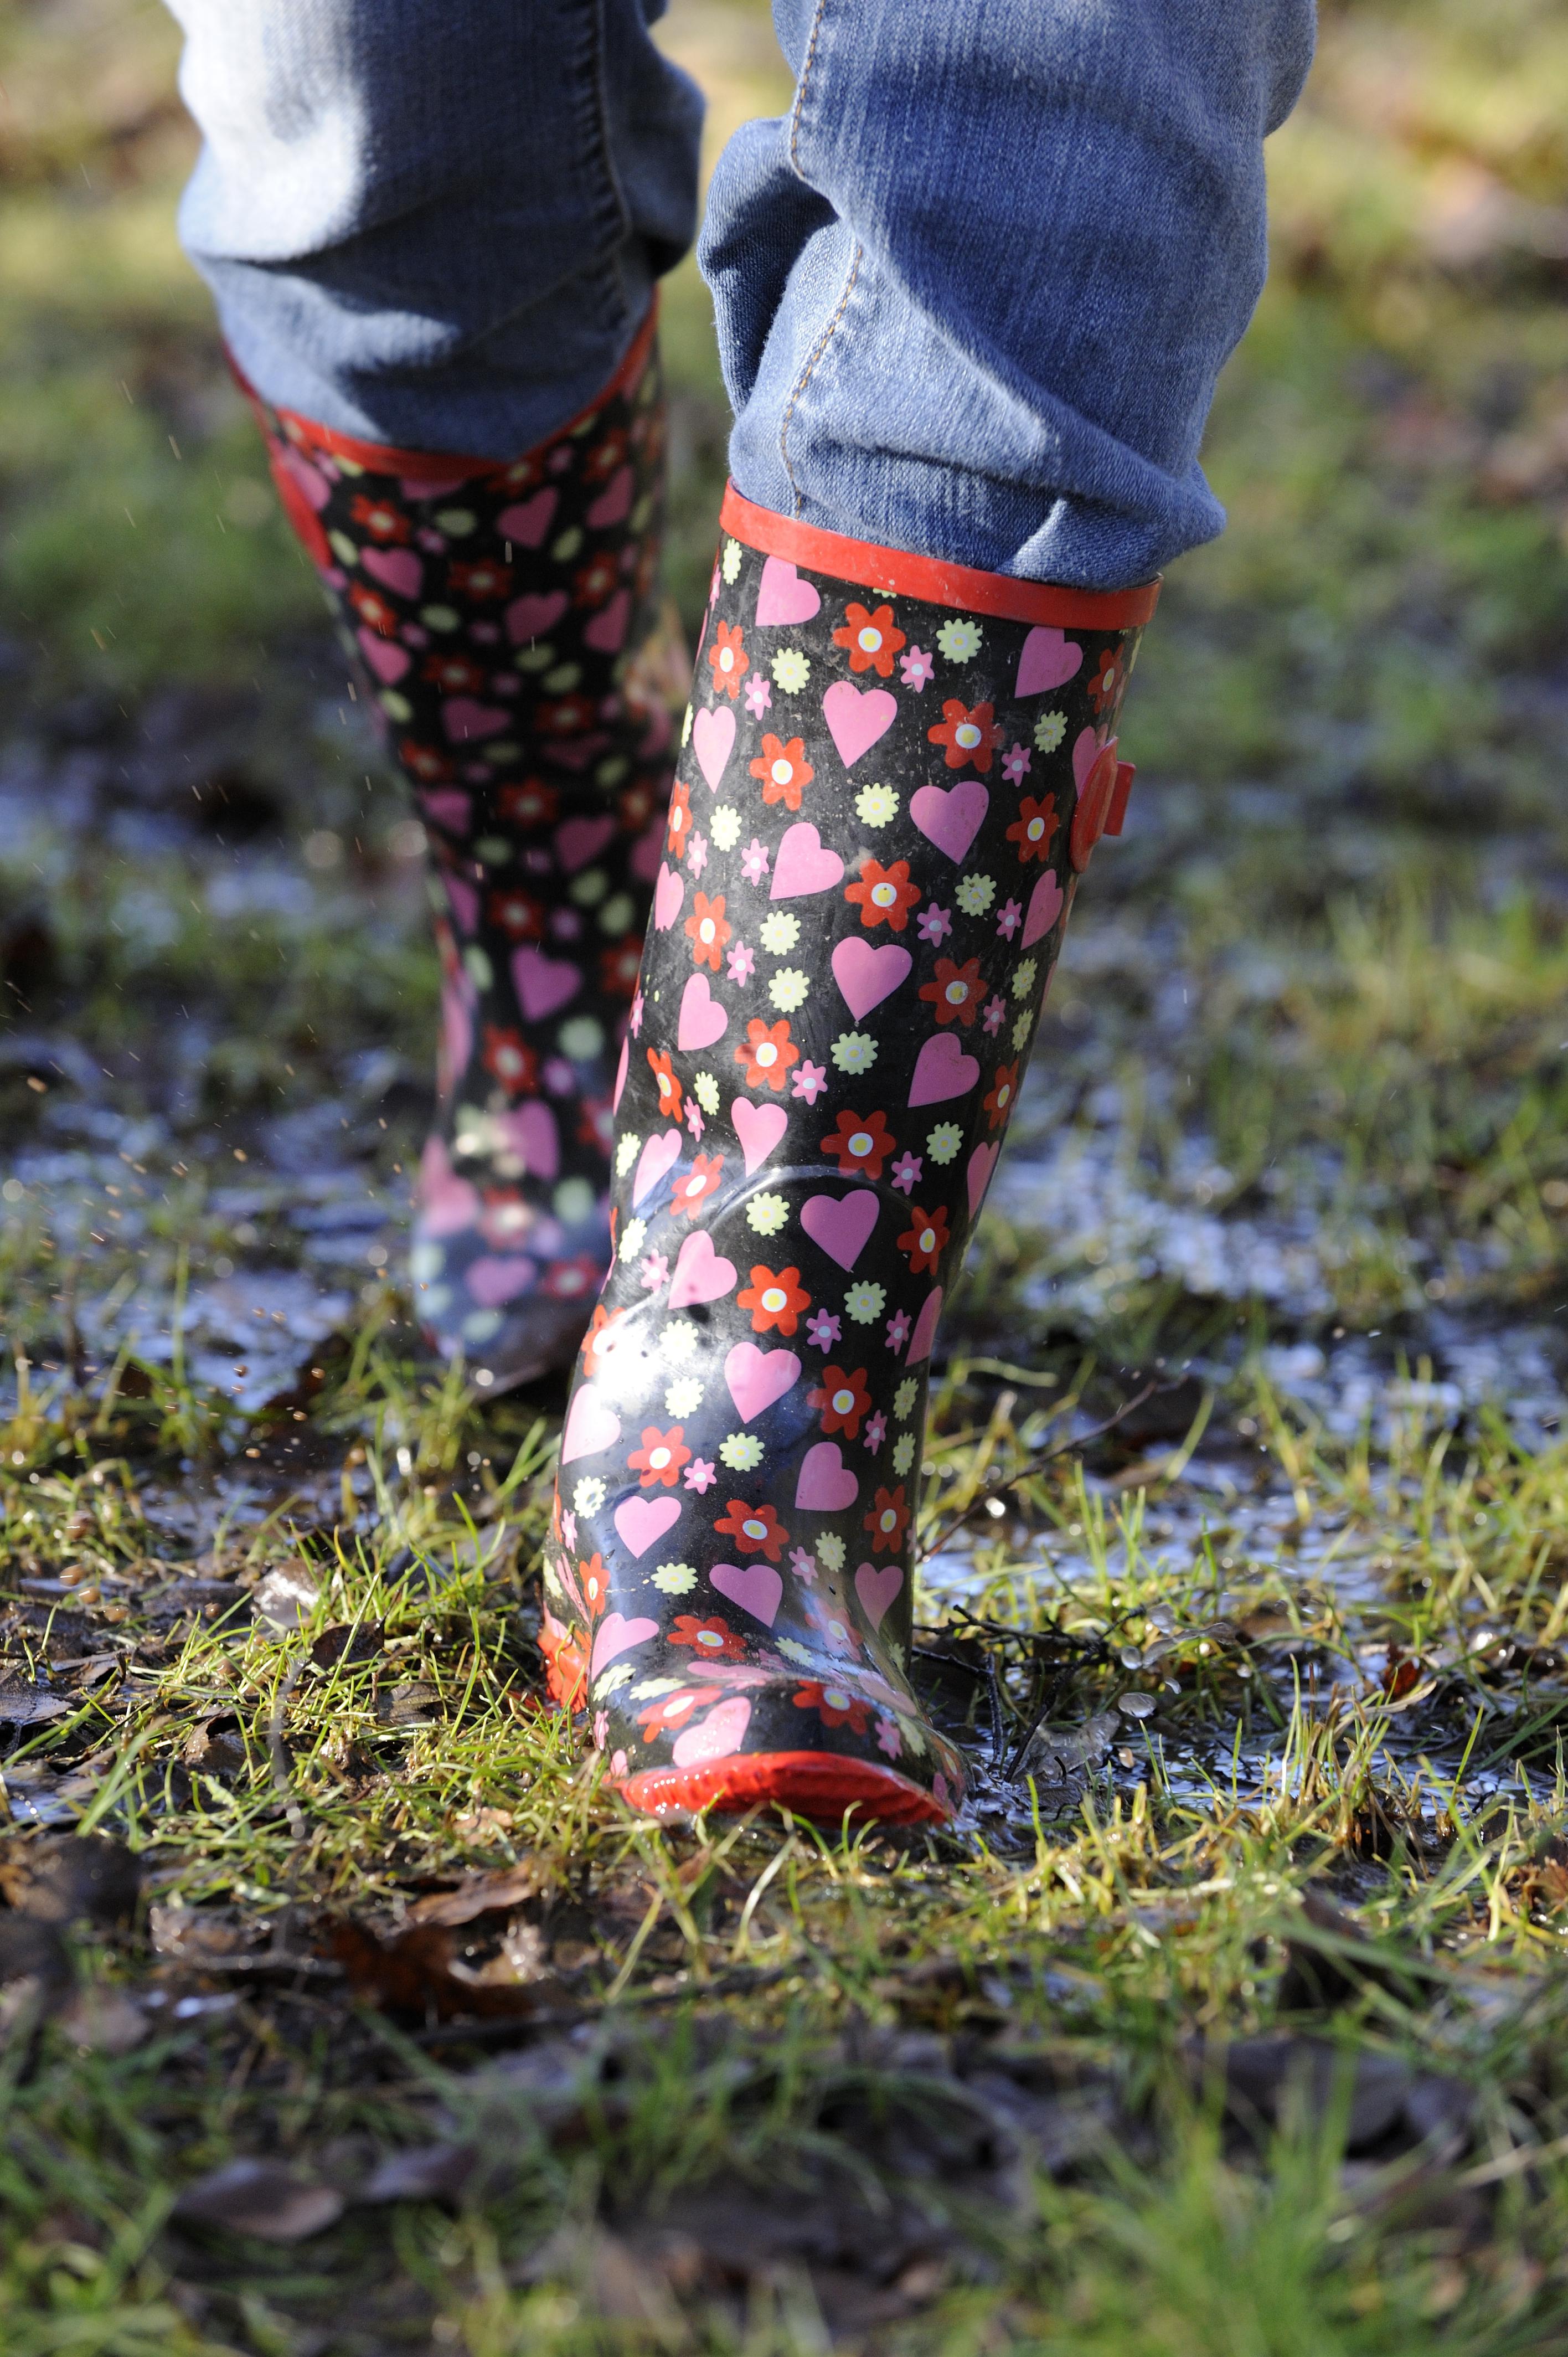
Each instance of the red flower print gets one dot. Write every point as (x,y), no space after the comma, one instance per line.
(619,967)
(885,894)
(679,820)
(843,1400)
(423,762)
(567,1678)
(504,1220)
(595,580)
(887,1521)
(707,929)
(507,1055)
(380,519)
(775,1302)
(600,1339)
(670,1091)
(1106,680)
(835,1706)
(767,1051)
(607,454)
(567,716)
(861,1145)
(925,1240)
(871,639)
(373,608)
(969,736)
(957,991)
(518,914)
(1003,1089)
(577,1279)
(672,1711)
(455,674)
(660,1457)
(484,579)
(692,1191)
(756,1529)
(729,659)
(532,804)
(596,1123)
(783,769)
(714,1638)
(1034,830)
(636,805)
(522,474)
(594,1582)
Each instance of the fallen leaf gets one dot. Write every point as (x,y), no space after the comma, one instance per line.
(71,1878)
(199,1935)
(103,2021)
(431,2172)
(482,1894)
(265,2198)
(418,1975)
(345,1647)
(23,1705)
(216,1745)
(287,1596)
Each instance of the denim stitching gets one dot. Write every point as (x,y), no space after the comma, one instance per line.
(804,377)
(801,90)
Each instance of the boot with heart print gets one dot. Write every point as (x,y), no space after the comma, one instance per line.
(506,623)
(893,776)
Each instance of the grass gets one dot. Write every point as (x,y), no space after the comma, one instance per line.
(1233,2018)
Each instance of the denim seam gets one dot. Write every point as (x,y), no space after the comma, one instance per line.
(804,377)
(604,156)
(801,92)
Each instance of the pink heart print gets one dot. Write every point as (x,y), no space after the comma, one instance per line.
(1044,908)
(1047,659)
(713,741)
(642,1522)
(924,1332)
(617,1636)
(702,1019)
(877,1588)
(660,1153)
(613,504)
(857,718)
(865,976)
(536,616)
(397,569)
(756,1588)
(950,818)
(758,1128)
(701,1273)
(621,1071)
(802,864)
(757,1378)
(591,1427)
(493,1281)
(578,840)
(528,521)
(717,1737)
(532,1133)
(668,896)
(840,1223)
(942,1070)
(981,1163)
(825,1484)
(388,662)
(607,633)
(783,598)
(542,983)
(467,723)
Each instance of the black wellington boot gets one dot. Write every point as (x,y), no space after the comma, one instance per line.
(507,623)
(893,775)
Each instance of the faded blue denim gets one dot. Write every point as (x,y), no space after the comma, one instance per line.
(973,291)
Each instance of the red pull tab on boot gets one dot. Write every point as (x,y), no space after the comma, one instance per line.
(1125,773)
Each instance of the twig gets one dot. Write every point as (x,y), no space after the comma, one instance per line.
(1031,1465)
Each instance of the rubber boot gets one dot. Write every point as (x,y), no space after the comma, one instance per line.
(893,774)
(506,622)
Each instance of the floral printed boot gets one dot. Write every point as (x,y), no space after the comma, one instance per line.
(506,621)
(893,775)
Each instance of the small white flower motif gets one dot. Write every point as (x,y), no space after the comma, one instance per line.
(741,1451)
(830,1549)
(875,805)
(864,1303)
(651,1689)
(678,1340)
(855,1051)
(768,1213)
(944,1141)
(670,1579)
(615,1676)
(910,1729)
(683,1397)
(974,895)
(959,639)
(686,729)
(707,1090)
(626,1149)
(917,668)
(810,1081)
(632,1238)
(742,964)
(779,931)
(1021,1028)
(724,826)
(758,696)
(1015,764)
(802,1564)
(904,1398)
(1012,916)
(1049,730)
(731,566)
(903,1453)
(794,1651)
(697,852)
(655,1272)
(754,860)
(790,670)
(589,1495)
(1024,978)
(790,988)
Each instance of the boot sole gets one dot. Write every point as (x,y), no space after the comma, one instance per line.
(808,1783)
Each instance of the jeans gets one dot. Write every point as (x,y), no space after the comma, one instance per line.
(972,293)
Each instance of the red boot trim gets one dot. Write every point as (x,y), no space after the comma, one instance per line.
(811,1783)
(437,467)
(932,578)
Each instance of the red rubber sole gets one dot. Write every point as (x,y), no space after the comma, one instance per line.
(812,1784)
